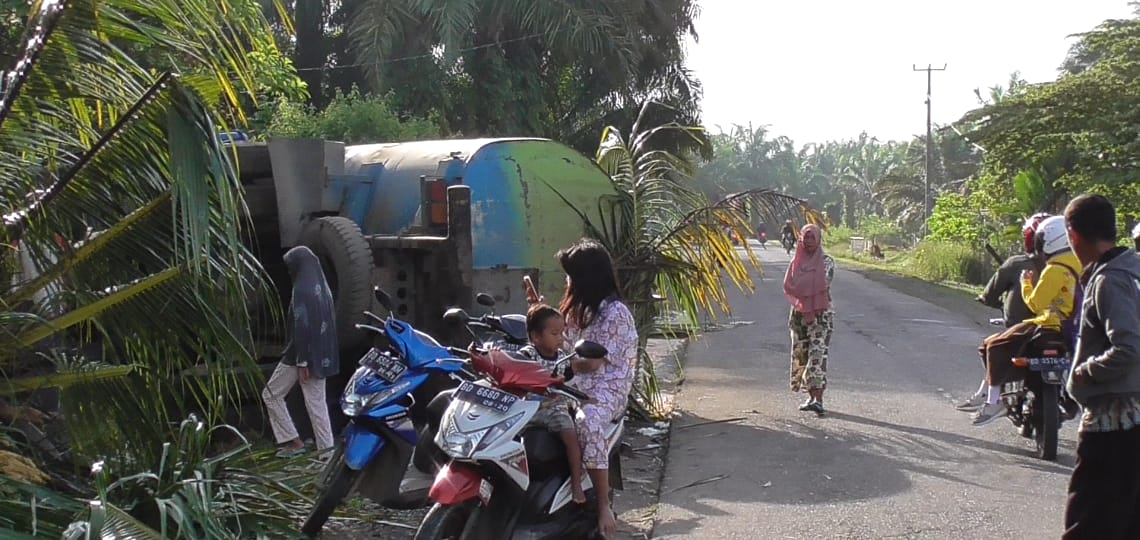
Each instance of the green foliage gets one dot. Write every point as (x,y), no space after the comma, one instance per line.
(108,147)
(880,229)
(941,260)
(838,236)
(1078,132)
(563,69)
(1032,191)
(192,494)
(955,219)
(277,83)
(351,118)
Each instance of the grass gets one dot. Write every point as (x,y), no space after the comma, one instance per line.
(897,262)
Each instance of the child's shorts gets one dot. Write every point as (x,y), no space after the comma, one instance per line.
(555,416)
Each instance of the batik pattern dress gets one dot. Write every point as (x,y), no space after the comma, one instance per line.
(610,384)
(811,344)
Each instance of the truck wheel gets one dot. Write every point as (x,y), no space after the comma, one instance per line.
(346,259)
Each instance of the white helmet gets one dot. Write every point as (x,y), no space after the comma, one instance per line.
(1136,231)
(1052,236)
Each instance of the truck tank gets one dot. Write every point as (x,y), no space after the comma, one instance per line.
(519,219)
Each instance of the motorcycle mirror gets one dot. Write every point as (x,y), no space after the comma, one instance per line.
(589,350)
(456,316)
(484,299)
(383,298)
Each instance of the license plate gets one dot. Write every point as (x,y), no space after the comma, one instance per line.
(1049,364)
(485,397)
(385,366)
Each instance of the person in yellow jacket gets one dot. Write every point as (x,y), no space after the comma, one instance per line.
(1051,300)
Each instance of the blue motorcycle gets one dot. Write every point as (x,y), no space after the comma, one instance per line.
(386,403)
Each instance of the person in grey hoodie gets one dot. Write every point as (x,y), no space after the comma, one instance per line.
(1104,493)
(311,357)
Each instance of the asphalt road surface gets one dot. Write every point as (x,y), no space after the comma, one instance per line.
(892,458)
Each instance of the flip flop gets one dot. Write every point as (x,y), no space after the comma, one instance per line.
(290,453)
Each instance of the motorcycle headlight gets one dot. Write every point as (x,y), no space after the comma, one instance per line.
(497,430)
(455,443)
(354,404)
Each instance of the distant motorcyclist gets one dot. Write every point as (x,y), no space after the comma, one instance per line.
(788,230)
(788,236)
(1136,236)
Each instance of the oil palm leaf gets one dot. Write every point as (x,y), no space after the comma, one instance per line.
(107,142)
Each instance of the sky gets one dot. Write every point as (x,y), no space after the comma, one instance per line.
(818,70)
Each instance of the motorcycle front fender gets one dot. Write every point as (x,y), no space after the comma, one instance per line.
(455,484)
(360,446)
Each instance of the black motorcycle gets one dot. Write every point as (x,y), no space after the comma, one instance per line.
(1032,393)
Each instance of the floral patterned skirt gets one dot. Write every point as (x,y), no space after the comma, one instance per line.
(811,345)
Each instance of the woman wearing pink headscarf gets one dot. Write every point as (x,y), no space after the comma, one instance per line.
(807,284)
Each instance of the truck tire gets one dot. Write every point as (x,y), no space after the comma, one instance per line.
(346,259)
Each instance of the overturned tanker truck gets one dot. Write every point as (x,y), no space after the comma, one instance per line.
(431,222)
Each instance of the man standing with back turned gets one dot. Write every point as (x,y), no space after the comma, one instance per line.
(1104,493)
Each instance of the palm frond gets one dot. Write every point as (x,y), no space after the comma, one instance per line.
(108,127)
(667,237)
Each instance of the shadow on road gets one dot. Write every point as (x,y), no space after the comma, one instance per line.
(803,465)
(1062,466)
(815,461)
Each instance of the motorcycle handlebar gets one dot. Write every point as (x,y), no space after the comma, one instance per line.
(369,327)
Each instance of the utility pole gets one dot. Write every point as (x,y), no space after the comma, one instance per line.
(929,143)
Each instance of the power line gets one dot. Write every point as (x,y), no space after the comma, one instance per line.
(422,56)
(929,142)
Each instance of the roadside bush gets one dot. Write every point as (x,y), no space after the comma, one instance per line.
(882,231)
(955,219)
(834,236)
(353,118)
(939,260)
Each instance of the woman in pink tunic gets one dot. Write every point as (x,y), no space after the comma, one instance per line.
(807,285)
(594,311)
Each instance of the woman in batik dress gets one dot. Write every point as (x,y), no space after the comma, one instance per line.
(807,285)
(594,311)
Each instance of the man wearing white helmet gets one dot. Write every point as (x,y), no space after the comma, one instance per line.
(1136,236)
(1052,302)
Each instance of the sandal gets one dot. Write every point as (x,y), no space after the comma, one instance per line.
(290,453)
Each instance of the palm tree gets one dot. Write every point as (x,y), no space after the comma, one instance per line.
(117,190)
(668,238)
(562,69)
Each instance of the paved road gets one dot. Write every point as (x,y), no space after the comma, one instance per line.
(891,460)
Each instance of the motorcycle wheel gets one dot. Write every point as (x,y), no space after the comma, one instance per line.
(452,522)
(330,468)
(339,483)
(1048,411)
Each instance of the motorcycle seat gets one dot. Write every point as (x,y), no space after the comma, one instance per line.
(1046,341)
